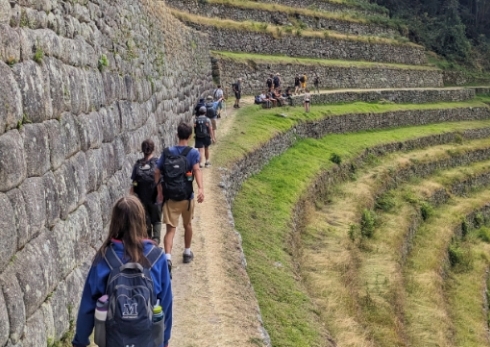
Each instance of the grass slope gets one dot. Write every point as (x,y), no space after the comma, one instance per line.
(290,316)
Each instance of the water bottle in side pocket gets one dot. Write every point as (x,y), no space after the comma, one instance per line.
(100,318)
(158,325)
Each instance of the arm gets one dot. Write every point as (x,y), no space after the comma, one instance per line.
(196,170)
(166,300)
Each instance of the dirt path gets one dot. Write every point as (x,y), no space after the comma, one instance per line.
(213,302)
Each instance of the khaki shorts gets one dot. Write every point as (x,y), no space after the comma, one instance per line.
(213,122)
(172,210)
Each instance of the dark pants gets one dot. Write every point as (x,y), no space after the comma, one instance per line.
(153,221)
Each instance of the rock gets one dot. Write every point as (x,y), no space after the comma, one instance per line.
(20,216)
(13,168)
(9,44)
(59,86)
(70,137)
(53,208)
(10,99)
(4,318)
(35,332)
(90,130)
(36,148)
(4,12)
(96,224)
(95,169)
(105,204)
(33,192)
(57,143)
(8,241)
(14,300)
(59,308)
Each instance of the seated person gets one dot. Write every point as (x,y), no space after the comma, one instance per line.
(263,97)
(280,99)
(289,92)
(271,98)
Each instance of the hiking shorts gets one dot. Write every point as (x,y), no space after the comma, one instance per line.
(172,210)
(202,142)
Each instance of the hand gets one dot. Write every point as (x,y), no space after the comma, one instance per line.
(213,140)
(200,195)
(159,198)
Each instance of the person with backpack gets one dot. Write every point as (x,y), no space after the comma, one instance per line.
(218,96)
(269,82)
(316,83)
(297,84)
(204,133)
(198,106)
(178,166)
(129,277)
(237,89)
(144,187)
(277,81)
(303,80)
(212,110)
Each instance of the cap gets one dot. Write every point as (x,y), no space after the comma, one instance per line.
(209,97)
(202,110)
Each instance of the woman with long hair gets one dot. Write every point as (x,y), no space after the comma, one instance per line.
(126,244)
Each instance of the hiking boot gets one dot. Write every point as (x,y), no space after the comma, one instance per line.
(188,258)
(169,264)
(208,164)
(200,166)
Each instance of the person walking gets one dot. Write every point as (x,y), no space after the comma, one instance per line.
(212,110)
(200,103)
(297,84)
(316,83)
(204,133)
(237,89)
(277,81)
(218,96)
(307,100)
(144,187)
(270,82)
(125,253)
(302,80)
(179,166)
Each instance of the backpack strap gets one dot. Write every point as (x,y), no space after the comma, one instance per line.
(166,152)
(111,258)
(186,151)
(153,255)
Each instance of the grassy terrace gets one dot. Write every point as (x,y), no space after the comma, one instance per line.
(258,125)
(278,31)
(278,59)
(373,298)
(290,315)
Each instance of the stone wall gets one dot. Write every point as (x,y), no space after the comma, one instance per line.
(233,178)
(402,96)
(273,16)
(255,72)
(83,83)
(261,42)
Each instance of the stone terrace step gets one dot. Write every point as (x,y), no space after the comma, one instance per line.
(334,74)
(317,5)
(255,38)
(284,15)
(402,96)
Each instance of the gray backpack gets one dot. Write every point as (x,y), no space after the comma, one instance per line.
(131,300)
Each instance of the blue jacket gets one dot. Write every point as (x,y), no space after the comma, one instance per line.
(95,287)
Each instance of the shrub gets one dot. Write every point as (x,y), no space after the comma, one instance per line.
(460,257)
(484,234)
(335,158)
(386,201)
(368,223)
(39,55)
(103,62)
(426,210)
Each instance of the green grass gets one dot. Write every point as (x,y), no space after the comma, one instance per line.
(290,317)
(256,126)
(279,31)
(268,59)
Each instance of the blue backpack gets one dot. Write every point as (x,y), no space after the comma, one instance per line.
(131,300)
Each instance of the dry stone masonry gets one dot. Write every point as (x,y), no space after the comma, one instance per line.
(83,84)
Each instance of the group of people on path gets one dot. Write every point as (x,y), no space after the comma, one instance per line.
(129,282)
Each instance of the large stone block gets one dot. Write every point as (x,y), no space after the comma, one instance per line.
(90,130)
(56,143)
(70,137)
(66,189)
(59,86)
(4,12)
(80,102)
(33,81)
(64,235)
(14,300)
(33,192)
(13,168)
(36,148)
(9,44)
(37,271)
(97,92)
(59,306)
(10,99)
(96,224)
(48,321)
(8,239)
(108,125)
(95,168)
(105,204)
(53,208)
(35,332)
(4,318)
(109,160)
(20,216)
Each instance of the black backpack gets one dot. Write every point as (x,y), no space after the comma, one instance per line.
(176,186)
(257,100)
(144,175)
(201,127)
(269,82)
(276,80)
(210,112)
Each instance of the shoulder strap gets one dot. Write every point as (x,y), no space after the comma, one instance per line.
(153,255)
(186,151)
(111,258)
(166,152)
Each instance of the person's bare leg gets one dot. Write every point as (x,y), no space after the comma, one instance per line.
(206,153)
(201,154)
(168,240)
(188,235)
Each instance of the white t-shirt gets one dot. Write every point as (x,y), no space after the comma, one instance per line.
(218,93)
(307,96)
(262,96)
